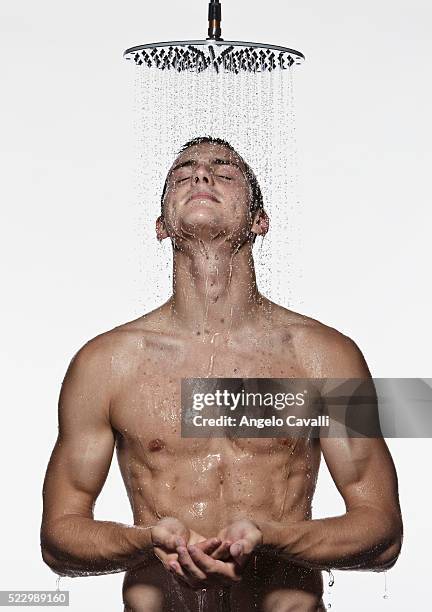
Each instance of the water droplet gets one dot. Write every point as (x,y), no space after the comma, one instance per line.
(386,594)
(329,585)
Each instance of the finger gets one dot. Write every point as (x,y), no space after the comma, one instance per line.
(177,572)
(215,569)
(201,559)
(171,542)
(237,549)
(188,566)
(184,579)
(223,551)
(162,553)
(164,557)
(171,527)
(241,551)
(167,540)
(208,546)
(175,568)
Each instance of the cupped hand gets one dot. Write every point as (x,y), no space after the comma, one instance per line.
(202,567)
(169,534)
(199,570)
(244,538)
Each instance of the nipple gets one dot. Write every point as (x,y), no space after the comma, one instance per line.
(156,445)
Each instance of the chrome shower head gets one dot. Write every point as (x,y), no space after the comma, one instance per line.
(214,52)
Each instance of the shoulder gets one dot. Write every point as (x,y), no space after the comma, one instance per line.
(119,348)
(107,351)
(325,352)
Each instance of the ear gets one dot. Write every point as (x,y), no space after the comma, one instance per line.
(161,232)
(260,223)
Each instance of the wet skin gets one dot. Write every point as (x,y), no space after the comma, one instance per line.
(122,391)
(208,483)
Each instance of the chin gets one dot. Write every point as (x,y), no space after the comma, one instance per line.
(201,216)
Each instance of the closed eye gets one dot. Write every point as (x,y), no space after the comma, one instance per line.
(228,178)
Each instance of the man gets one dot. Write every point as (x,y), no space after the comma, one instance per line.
(231,516)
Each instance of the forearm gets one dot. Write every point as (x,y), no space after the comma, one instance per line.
(78,546)
(363,538)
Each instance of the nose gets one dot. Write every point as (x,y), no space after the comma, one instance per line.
(202,174)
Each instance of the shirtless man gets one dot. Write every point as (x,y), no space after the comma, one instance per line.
(231,516)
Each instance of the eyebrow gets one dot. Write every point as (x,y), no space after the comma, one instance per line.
(218,161)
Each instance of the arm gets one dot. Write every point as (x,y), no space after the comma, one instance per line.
(72,542)
(369,535)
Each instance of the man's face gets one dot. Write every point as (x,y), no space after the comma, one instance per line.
(208,194)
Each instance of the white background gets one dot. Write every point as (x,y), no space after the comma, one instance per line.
(72,257)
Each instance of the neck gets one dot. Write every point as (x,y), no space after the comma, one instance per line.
(214,290)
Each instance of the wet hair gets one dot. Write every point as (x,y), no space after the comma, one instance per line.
(257,202)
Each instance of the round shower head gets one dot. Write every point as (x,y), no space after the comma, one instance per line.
(214,52)
(225,55)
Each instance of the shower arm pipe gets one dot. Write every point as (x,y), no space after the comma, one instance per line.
(214,20)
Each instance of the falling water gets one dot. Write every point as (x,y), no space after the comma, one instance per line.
(386,595)
(176,596)
(255,582)
(329,593)
(255,113)
(202,600)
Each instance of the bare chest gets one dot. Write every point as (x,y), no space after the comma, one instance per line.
(146,411)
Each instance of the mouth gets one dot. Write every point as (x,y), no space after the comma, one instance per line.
(203,195)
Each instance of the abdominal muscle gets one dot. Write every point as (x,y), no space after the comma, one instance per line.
(207,484)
